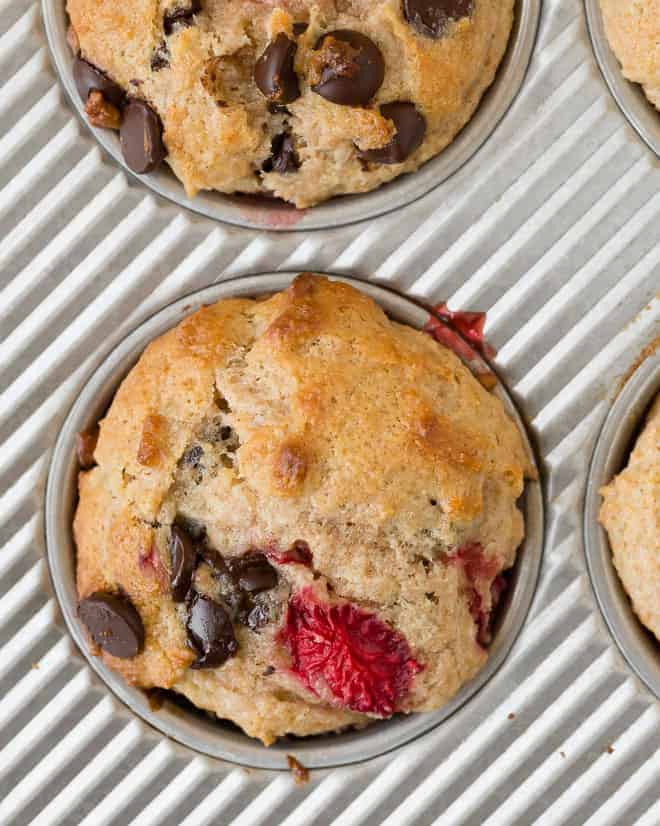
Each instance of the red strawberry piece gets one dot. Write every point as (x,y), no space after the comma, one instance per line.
(471,558)
(479,570)
(469,325)
(340,649)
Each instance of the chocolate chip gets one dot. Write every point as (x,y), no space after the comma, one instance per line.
(86,445)
(430,17)
(410,130)
(268,670)
(181,17)
(274,74)
(253,573)
(300,28)
(349,68)
(210,631)
(113,623)
(141,137)
(160,57)
(88,78)
(183,557)
(284,157)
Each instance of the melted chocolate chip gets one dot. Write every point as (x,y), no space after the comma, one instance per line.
(349,66)
(211,632)
(113,623)
(181,17)
(90,79)
(160,57)
(300,28)
(86,445)
(183,556)
(141,137)
(253,573)
(284,157)
(430,17)
(410,130)
(274,74)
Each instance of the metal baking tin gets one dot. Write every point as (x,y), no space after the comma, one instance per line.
(622,424)
(199,731)
(641,113)
(258,212)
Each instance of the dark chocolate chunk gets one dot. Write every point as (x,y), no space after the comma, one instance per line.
(258,576)
(181,17)
(274,74)
(253,573)
(210,631)
(284,157)
(113,623)
(410,130)
(86,445)
(160,57)
(300,28)
(183,556)
(90,79)
(349,67)
(430,17)
(141,137)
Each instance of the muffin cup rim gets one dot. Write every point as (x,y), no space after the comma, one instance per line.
(611,449)
(209,738)
(342,210)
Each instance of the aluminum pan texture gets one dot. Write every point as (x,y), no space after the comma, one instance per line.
(553,229)
(198,731)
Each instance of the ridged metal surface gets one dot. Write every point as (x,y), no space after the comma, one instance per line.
(553,229)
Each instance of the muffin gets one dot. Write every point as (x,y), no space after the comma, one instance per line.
(630,514)
(293,99)
(633,32)
(297,514)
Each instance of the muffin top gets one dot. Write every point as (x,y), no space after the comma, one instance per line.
(633,32)
(297,514)
(631,515)
(301,100)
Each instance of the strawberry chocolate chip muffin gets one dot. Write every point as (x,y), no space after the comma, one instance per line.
(300,100)
(297,514)
(630,513)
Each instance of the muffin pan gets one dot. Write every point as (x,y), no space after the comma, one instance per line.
(616,439)
(641,114)
(552,230)
(256,212)
(198,730)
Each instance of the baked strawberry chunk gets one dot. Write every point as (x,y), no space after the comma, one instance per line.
(483,575)
(469,325)
(341,650)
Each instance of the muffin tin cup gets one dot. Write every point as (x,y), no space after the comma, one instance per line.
(199,731)
(639,111)
(625,418)
(260,213)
